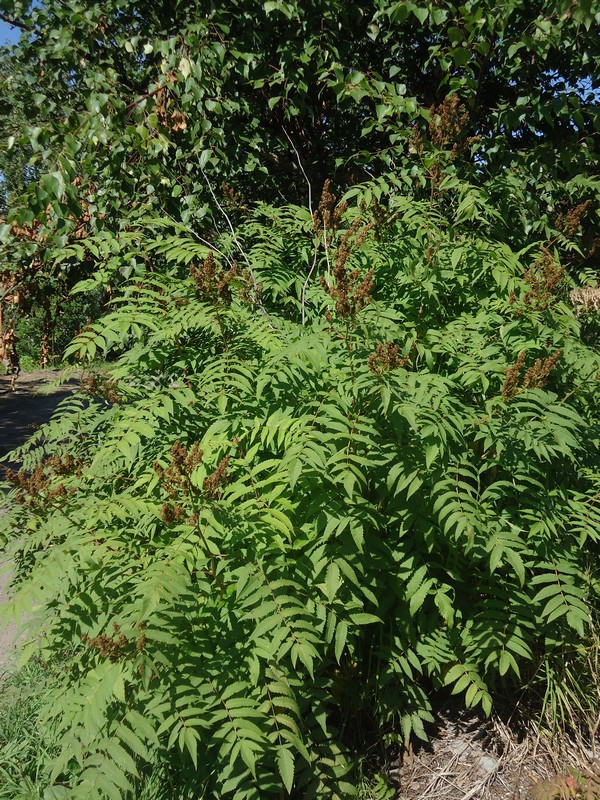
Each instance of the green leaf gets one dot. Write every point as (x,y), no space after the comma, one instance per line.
(460,56)
(421,14)
(341,636)
(285,765)
(361,618)
(333,581)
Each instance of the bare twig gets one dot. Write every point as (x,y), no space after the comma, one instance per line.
(143,97)
(203,241)
(257,300)
(231,228)
(305,286)
(299,160)
(310,208)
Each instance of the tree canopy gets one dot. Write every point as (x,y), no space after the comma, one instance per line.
(180,106)
(135,102)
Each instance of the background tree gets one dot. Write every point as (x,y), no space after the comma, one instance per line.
(168,102)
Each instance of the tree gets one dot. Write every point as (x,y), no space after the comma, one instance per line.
(150,99)
(182,107)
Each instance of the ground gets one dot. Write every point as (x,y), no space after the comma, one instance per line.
(467,758)
(32,402)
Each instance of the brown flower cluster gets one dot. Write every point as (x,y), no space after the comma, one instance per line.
(416,145)
(350,290)
(212,484)
(535,377)
(114,647)
(108,646)
(328,215)
(34,489)
(212,282)
(30,486)
(386,358)
(141,640)
(544,278)
(96,386)
(232,200)
(446,123)
(67,465)
(174,478)
(170,514)
(570,222)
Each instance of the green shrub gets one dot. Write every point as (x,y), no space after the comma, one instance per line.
(344,461)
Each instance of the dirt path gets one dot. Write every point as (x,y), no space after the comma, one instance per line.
(32,403)
(8,633)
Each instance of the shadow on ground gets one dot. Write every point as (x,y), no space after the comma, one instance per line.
(31,404)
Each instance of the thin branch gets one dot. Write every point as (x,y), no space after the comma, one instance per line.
(310,208)
(15,22)
(143,97)
(299,160)
(257,300)
(205,242)
(305,286)
(231,228)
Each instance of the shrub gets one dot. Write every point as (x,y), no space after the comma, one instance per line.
(344,460)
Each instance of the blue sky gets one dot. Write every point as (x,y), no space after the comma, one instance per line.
(8,34)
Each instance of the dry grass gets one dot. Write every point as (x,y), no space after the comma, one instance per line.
(470,758)
(585,299)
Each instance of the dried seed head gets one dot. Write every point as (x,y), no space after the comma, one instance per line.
(212,484)
(172,514)
(545,279)
(108,646)
(511,383)
(585,299)
(537,375)
(447,121)
(350,290)
(213,282)
(386,358)
(570,222)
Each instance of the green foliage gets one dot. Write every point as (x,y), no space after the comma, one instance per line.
(343,461)
(114,105)
(347,455)
(68,319)
(25,744)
